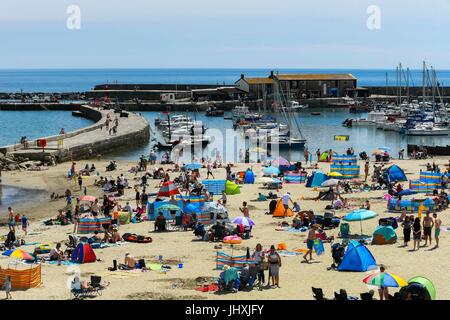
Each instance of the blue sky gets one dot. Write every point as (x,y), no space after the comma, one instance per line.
(228,34)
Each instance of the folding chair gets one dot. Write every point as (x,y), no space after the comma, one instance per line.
(318,293)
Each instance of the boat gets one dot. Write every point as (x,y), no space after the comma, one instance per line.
(214,112)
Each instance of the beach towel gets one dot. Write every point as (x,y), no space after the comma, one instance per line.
(286,253)
(63,263)
(208,288)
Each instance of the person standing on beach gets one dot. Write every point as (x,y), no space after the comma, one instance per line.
(25,224)
(437,229)
(244,210)
(209,170)
(383,291)
(274,260)
(72,169)
(406,231)
(318,155)
(259,256)
(417,234)
(428,225)
(8,288)
(285,199)
(138,196)
(80,181)
(310,243)
(11,220)
(366,171)
(306,153)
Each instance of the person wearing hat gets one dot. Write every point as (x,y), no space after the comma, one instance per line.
(310,242)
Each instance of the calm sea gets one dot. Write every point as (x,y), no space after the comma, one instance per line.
(74,80)
(36,124)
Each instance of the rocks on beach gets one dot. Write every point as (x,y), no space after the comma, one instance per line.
(9,162)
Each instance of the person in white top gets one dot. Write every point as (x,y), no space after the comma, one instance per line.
(286,198)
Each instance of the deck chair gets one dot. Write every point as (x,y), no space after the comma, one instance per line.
(340,297)
(366,296)
(96,284)
(318,293)
(344,230)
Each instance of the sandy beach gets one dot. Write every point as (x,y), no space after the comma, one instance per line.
(198,257)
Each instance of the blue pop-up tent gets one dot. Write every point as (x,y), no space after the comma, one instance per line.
(249,177)
(395,173)
(357,258)
(316,179)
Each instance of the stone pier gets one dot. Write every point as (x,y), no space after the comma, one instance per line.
(90,141)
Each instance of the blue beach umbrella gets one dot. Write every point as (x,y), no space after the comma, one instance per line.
(271,171)
(385,149)
(360,215)
(191,208)
(192,166)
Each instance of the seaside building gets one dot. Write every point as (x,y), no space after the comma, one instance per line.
(300,85)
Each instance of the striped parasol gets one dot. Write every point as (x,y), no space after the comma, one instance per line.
(168,189)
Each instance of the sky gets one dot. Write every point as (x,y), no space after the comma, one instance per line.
(224,34)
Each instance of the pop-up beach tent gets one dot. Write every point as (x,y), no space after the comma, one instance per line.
(419,288)
(316,179)
(280,211)
(249,177)
(357,258)
(395,173)
(83,253)
(231,188)
(384,235)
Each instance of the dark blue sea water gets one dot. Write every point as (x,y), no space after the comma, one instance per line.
(36,124)
(73,80)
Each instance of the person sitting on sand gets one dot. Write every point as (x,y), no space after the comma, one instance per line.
(129,262)
(160,222)
(297,221)
(56,253)
(261,197)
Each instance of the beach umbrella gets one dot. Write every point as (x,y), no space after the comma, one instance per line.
(335,174)
(360,215)
(88,198)
(168,189)
(385,149)
(192,166)
(385,279)
(265,180)
(191,208)
(19,254)
(214,207)
(330,183)
(280,161)
(271,171)
(244,221)
(406,192)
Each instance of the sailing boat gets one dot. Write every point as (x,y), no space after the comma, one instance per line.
(293,137)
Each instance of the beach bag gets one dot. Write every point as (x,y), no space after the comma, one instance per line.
(265,265)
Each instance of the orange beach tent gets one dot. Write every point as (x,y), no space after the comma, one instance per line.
(280,211)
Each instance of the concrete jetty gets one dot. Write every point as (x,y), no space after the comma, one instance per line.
(90,141)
